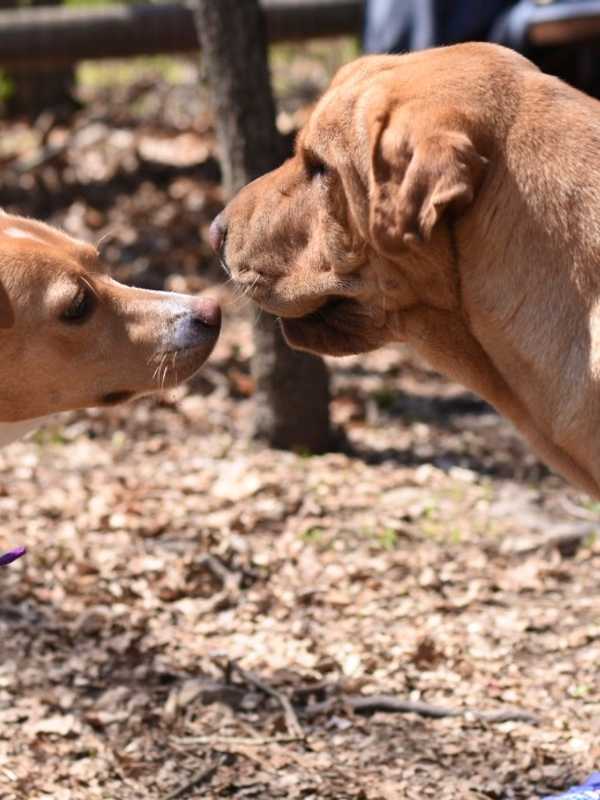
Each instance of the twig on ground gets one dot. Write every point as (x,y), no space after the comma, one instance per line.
(291,720)
(238,741)
(567,539)
(228,579)
(370,704)
(504,716)
(230,583)
(202,776)
(300,693)
(578,511)
(360,704)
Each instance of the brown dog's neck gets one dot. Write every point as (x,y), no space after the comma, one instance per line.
(530,296)
(474,326)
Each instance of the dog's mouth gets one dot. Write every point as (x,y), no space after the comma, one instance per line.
(174,366)
(340,326)
(328,324)
(199,350)
(115,398)
(197,353)
(283,299)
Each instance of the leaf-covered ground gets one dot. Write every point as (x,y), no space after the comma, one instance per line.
(201,617)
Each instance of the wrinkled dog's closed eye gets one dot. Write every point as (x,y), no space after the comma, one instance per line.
(81,308)
(315,166)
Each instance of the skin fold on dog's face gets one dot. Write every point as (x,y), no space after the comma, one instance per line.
(439,198)
(71,337)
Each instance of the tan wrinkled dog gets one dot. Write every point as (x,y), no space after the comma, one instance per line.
(450,199)
(72,337)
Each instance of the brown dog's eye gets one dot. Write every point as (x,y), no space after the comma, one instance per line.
(315,166)
(81,307)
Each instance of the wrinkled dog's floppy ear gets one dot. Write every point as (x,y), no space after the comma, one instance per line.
(420,169)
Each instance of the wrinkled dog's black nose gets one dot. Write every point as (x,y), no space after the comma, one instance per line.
(217,234)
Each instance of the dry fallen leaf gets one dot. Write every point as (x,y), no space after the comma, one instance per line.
(58,725)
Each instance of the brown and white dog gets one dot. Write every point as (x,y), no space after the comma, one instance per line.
(450,199)
(71,337)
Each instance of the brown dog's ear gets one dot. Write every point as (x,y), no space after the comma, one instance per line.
(418,173)
(7,316)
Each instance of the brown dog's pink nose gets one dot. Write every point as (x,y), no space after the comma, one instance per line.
(216,233)
(207,312)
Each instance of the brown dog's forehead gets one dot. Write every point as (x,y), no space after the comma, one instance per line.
(27,235)
(419,72)
(332,119)
(327,124)
(363,68)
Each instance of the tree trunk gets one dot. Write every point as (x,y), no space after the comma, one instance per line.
(292,388)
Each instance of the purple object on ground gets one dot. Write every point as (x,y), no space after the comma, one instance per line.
(590,790)
(12,555)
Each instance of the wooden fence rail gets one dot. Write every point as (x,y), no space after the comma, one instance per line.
(42,37)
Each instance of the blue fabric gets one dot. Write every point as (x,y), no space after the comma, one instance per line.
(590,790)
(511,28)
(393,26)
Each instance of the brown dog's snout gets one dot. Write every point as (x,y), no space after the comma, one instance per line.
(196,326)
(217,233)
(206,313)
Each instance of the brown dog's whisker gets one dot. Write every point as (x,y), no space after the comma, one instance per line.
(165,370)
(158,376)
(243,293)
(106,236)
(225,266)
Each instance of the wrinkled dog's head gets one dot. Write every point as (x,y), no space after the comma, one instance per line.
(379,165)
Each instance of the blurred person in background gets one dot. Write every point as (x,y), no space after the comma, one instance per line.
(395,26)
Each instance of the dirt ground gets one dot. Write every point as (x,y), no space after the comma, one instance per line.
(201,617)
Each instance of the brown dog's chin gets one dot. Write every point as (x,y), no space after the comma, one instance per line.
(340,328)
(182,364)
